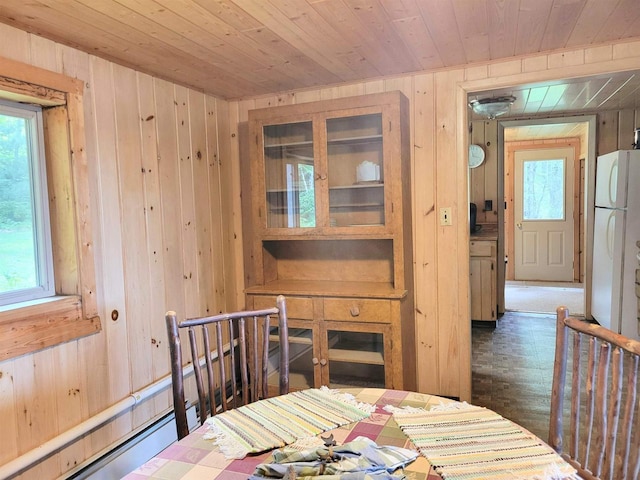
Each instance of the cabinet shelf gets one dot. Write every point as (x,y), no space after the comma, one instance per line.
(355,140)
(356,356)
(307,143)
(359,205)
(357,186)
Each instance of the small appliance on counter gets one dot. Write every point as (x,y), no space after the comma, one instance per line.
(473,212)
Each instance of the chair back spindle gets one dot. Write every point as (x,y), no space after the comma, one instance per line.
(236,365)
(603,387)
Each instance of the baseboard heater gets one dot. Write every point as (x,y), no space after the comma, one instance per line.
(138,447)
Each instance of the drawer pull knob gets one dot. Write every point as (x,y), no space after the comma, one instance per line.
(355,311)
(315,361)
(323,362)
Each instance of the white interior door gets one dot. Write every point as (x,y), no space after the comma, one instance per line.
(543,214)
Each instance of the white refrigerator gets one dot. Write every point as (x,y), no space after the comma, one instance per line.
(616,230)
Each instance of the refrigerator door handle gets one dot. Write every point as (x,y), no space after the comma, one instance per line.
(610,233)
(613,183)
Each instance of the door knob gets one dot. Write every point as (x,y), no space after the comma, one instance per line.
(519,225)
(323,362)
(315,361)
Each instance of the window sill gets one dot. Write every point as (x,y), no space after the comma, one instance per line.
(31,326)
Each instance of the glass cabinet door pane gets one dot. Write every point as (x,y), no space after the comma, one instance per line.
(289,175)
(301,367)
(355,170)
(356,359)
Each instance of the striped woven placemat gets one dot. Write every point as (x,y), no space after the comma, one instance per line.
(283,420)
(466,442)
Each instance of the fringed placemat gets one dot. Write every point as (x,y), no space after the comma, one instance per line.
(465,442)
(284,420)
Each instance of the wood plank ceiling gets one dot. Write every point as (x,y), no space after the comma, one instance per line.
(240,48)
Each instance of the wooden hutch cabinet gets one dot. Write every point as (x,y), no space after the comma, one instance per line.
(331,230)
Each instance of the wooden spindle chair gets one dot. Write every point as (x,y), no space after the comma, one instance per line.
(240,351)
(603,431)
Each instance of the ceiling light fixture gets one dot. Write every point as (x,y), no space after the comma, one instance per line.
(492,107)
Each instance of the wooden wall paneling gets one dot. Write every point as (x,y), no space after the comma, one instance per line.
(100,396)
(93,387)
(424,226)
(188,210)
(134,235)
(450,253)
(157,336)
(169,178)
(491,171)
(230,192)
(339,91)
(44,53)
(69,399)
(477,175)
(626,127)
(15,43)
(35,387)
(607,132)
(307,96)
(8,412)
(374,86)
(216,207)
(202,193)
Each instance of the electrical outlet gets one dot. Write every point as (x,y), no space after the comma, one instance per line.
(445,216)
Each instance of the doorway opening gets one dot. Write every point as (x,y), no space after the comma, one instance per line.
(545,175)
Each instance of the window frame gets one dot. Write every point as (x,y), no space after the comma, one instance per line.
(32,114)
(72,312)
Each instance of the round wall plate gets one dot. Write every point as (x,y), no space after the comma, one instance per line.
(476,156)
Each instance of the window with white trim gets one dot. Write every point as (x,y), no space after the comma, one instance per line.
(26,264)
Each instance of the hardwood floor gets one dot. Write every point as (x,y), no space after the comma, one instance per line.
(512,368)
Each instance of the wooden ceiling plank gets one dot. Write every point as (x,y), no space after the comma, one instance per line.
(440,19)
(571,93)
(592,18)
(591,89)
(374,18)
(272,18)
(305,70)
(54,24)
(400,9)
(416,36)
(562,20)
(137,44)
(353,32)
(503,23)
(159,22)
(473,24)
(532,20)
(229,13)
(625,15)
(309,19)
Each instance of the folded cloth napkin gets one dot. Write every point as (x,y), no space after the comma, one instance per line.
(360,459)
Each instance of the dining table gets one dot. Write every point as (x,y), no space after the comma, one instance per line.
(198,457)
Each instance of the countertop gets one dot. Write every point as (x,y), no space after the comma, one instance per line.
(489,231)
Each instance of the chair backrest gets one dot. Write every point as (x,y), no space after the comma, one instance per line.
(601,427)
(236,362)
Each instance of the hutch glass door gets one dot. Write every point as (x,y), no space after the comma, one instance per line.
(355,170)
(289,175)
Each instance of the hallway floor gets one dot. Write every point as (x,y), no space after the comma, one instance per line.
(512,368)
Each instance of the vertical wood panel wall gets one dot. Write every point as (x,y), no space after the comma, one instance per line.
(161,185)
(166,208)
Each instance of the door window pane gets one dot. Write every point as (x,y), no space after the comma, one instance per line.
(543,190)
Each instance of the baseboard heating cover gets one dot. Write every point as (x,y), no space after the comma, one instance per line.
(137,448)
